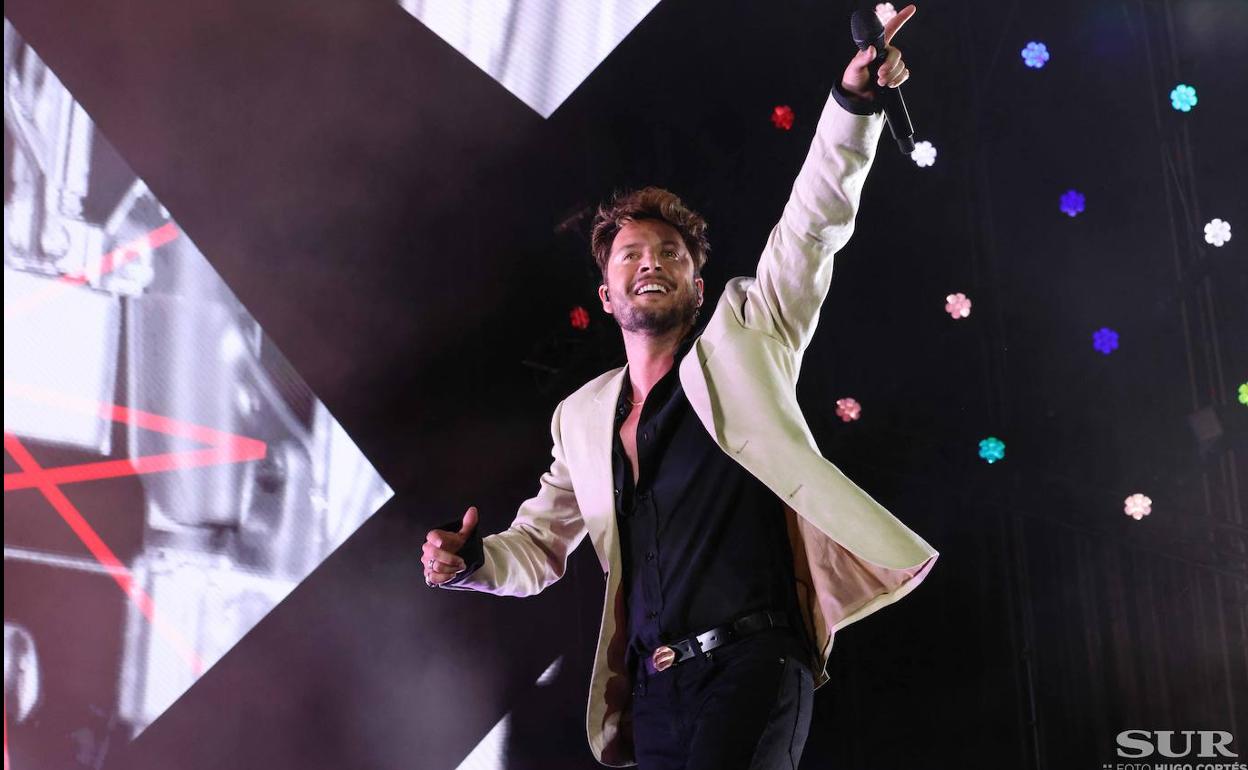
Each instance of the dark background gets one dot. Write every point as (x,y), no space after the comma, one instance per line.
(413,237)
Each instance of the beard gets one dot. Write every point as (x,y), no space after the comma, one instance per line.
(678,313)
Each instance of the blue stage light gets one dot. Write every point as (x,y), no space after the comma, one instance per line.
(1035,55)
(992,449)
(1072,202)
(1105,340)
(1183,98)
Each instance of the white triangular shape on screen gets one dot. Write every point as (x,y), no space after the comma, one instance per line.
(539,51)
(177,477)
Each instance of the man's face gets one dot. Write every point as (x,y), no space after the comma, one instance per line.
(650,283)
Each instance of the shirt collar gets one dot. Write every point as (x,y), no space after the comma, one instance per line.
(662,388)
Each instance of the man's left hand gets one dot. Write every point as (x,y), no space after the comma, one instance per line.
(892,72)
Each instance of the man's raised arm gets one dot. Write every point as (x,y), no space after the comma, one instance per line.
(795,270)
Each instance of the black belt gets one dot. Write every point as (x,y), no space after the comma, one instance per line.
(672,653)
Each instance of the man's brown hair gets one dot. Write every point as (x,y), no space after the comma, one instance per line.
(648,203)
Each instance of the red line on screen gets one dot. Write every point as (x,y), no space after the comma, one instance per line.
(113,469)
(102,553)
(109,262)
(224,448)
(156,423)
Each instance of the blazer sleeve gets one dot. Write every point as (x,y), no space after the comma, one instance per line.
(533,552)
(795,270)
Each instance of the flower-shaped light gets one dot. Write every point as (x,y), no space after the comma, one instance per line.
(992,449)
(782,117)
(1035,55)
(1217,232)
(957,305)
(1243,393)
(848,409)
(924,154)
(1072,202)
(1105,340)
(1137,506)
(885,12)
(579,317)
(1183,98)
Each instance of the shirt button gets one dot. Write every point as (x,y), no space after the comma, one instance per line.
(645,436)
(617,492)
(651,615)
(650,556)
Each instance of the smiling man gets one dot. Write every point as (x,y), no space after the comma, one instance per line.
(643,256)
(732,550)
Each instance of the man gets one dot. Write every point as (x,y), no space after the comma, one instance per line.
(731,548)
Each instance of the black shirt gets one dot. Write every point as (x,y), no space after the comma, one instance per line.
(703,542)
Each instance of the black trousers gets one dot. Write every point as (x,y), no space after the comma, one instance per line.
(745,705)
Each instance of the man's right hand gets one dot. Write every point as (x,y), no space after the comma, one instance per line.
(440,560)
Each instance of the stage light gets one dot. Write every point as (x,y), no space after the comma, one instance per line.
(957,305)
(992,449)
(924,154)
(1105,340)
(1243,393)
(782,117)
(885,12)
(848,409)
(1035,55)
(579,318)
(1217,232)
(1183,98)
(1137,506)
(1072,203)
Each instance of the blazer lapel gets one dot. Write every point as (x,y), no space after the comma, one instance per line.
(697,390)
(597,469)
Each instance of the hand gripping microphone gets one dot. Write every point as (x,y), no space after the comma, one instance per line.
(868,31)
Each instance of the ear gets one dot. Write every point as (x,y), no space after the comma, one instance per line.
(605,296)
(697,282)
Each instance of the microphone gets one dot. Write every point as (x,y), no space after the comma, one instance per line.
(868,31)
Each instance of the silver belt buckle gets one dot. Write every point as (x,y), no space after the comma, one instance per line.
(663,658)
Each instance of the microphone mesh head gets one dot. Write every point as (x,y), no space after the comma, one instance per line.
(866,28)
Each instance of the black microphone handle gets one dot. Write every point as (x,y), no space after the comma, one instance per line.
(898,118)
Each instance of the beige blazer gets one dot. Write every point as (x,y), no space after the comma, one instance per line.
(851,556)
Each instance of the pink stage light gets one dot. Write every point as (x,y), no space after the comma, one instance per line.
(1137,506)
(958,305)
